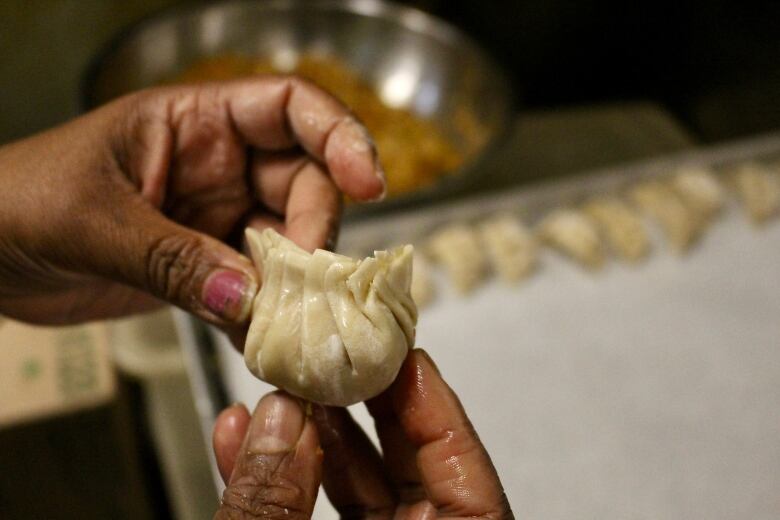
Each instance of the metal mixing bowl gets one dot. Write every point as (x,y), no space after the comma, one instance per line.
(414,61)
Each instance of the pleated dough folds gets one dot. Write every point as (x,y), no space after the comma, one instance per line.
(326,327)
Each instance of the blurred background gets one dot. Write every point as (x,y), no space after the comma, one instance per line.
(594,83)
(714,65)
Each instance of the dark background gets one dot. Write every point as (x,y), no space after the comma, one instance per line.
(715,64)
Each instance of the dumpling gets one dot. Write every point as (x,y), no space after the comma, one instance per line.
(680,224)
(758,187)
(621,226)
(510,246)
(423,290)
(325,327)
(457,248)
(574,234)
(700,191)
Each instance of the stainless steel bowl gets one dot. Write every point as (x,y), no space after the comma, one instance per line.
(414,61)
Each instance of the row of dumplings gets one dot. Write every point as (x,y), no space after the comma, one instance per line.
(681,205)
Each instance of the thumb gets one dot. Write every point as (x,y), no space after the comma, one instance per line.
(141,247)
(278,470)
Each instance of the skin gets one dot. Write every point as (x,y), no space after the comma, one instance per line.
(434,465)
(145,199)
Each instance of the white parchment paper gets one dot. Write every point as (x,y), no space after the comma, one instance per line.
(636,392)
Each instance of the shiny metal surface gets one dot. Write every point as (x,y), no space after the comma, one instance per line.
(414,61)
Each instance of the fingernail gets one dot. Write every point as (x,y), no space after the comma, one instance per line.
(332,240)
(327,431)
(229,294)
(229,421)
(380,174)
(362,143)
(236,404)
(276,424)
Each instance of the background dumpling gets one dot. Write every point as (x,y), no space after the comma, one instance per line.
(457,249)
(621,227)
(574,234)
(700,190)
(681,225)
(758,188)
(511,247)
(423,288)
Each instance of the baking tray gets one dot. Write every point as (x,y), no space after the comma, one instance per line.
(646,391)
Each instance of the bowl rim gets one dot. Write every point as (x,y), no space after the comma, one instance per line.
(409,17)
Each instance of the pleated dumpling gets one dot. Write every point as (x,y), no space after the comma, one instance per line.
(758,188)
(326,327)
(574,234)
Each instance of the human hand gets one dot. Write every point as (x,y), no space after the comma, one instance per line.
(434,464)
(137,202)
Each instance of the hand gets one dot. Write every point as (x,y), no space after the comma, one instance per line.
(135,202)
(434,464)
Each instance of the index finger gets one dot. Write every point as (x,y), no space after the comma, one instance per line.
(279,112)
(454,468)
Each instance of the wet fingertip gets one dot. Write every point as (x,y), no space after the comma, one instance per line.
(276,425)
(238,406)
(428,359)
(230,415)
(380,174)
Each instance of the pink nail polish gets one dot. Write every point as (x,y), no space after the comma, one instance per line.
(229,294)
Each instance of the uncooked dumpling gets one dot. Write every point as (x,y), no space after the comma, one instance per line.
(680,224)
(510,246)
(574,234)
(457,248)
(700,191)
(326,327)
(758,187)
(423,289)
(621,226)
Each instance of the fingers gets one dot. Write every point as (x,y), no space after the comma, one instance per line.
(277,113)
(229,431)
(134,243)
(454,468)
(272,174)
(313,209)
(353,475)
(292,185)
(278,467)
(402,463)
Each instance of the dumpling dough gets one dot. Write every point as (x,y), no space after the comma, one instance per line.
(759,189)
(510,246)
(457,248)
(325,327)
(574,234)
(679,223)
(621,226)
(423,289)
(700,190)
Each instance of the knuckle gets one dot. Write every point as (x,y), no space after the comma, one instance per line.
(172,265)
(264,491)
